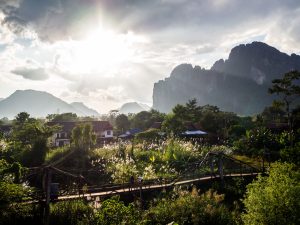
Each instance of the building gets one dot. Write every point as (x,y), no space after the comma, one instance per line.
(130,133)
(102,129)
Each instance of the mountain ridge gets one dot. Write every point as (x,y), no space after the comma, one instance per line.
(80,106)
(133,107)
(38,104)
(238,84)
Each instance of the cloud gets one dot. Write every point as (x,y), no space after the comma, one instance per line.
(32,74)
(62,19)
(179,31)
(51,19)
(203,49)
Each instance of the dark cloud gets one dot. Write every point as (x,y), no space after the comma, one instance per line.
(52,19)
(62,19)
(31,74)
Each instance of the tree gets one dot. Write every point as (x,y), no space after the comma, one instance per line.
(66,117)
(83,136)
(142,120)
(193,110)
(157,116)
(122,123)
(273,113)
(11,193)
(173,124)
(28,142)
(176,121)
(22,118)
(256,141)
(77,134)
(288,89)
(274,199)
(215,121)
(291,154)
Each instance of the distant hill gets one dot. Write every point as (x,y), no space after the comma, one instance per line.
(39,104)
(1,99)
(84,109)
(239,84)
(133,107)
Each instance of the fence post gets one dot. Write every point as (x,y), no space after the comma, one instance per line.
(141,197)
(47,183)
(211,164)
(241,170)
(221,172)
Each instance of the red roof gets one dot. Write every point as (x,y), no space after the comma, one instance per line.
(100,126)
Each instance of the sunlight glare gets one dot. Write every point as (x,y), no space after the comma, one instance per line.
(103,49)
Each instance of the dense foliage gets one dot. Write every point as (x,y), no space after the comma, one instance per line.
(274,199)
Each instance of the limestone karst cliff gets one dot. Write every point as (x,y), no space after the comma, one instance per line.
(239,84)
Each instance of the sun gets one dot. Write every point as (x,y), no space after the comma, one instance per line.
(103,49)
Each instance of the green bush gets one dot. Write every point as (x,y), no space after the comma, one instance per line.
(71,213)
(190,208)
(291,154)
(57,153)
(115,212)
(274,199)
(148,135)
(23,214)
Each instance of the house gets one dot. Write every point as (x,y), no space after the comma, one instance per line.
(102,129)
(193,130)
(130,133)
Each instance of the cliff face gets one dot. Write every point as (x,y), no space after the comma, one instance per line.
(257,61)
(239,84)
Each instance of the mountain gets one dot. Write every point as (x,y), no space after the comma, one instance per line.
(257,61)
(133,107)
(84,109)
(1,99)
(239,84)
(37,104)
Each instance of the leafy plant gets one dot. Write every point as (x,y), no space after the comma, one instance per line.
(274,199)
(71,213)
(115,212)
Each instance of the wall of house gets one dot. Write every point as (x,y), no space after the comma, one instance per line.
(107,134)
(62,142)
(60,139)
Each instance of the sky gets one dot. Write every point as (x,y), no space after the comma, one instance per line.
(109,52)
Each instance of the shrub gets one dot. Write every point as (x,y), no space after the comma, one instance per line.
(190,208)
(71,213)
(274,199)
(115,212)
